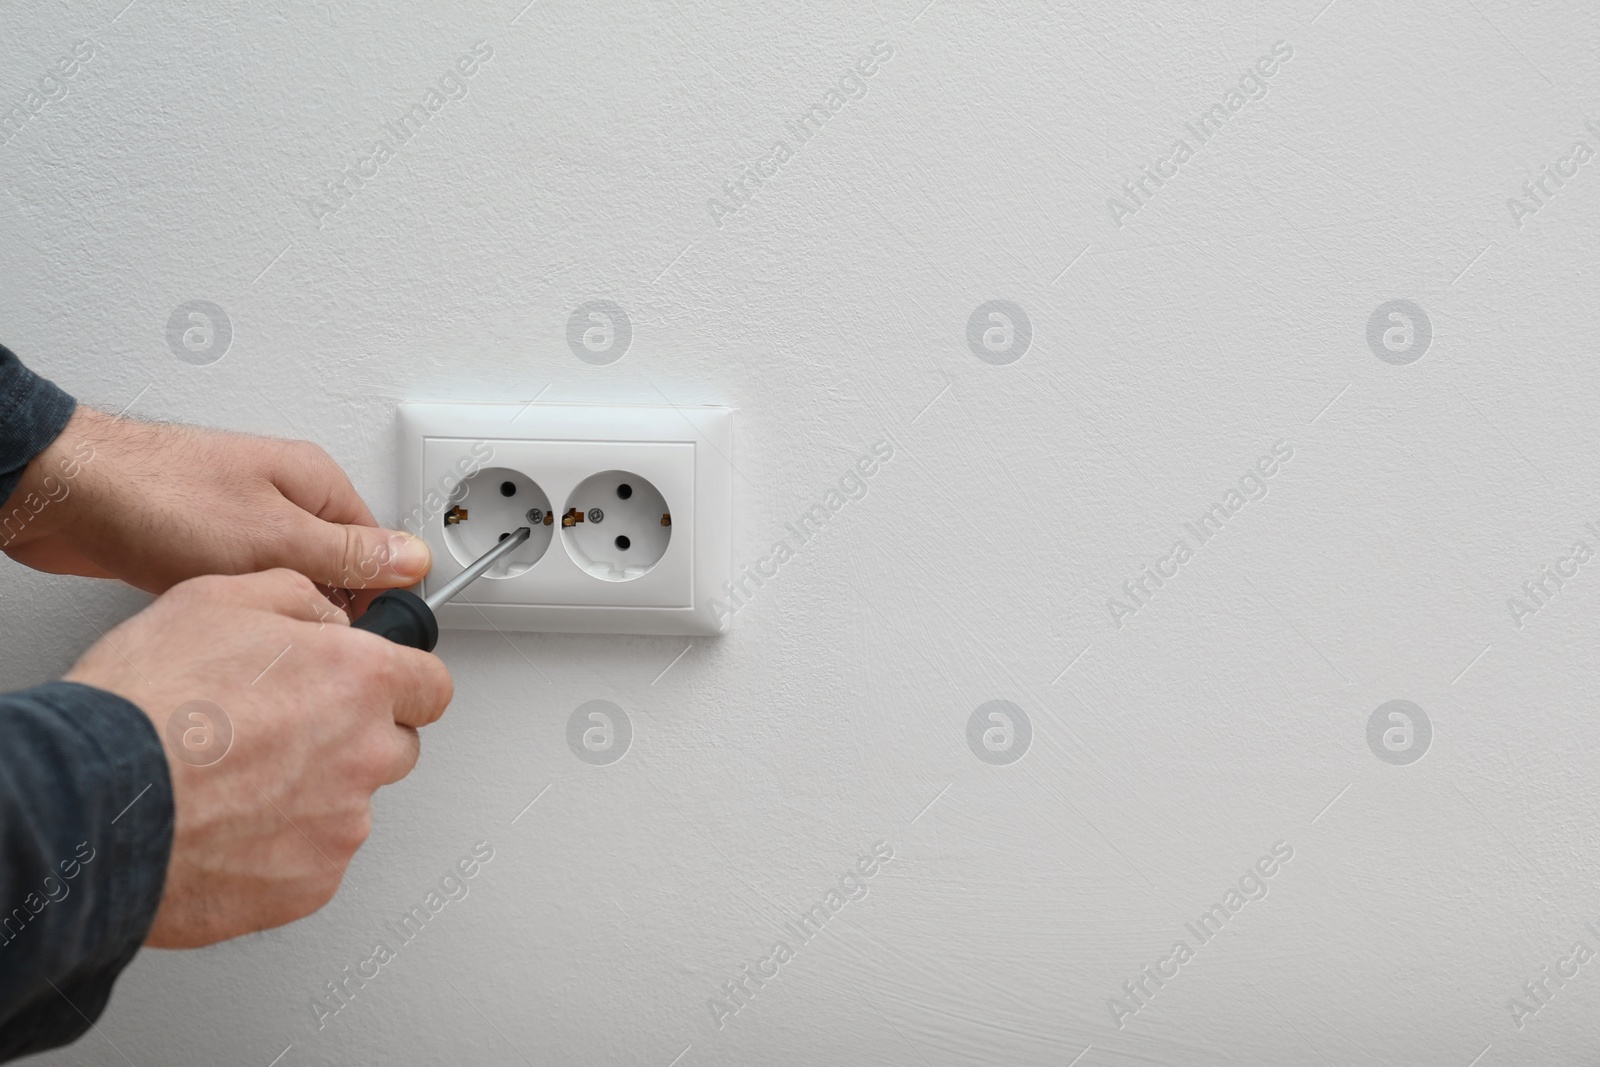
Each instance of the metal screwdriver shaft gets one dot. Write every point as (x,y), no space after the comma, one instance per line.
(477,568)
(407,619)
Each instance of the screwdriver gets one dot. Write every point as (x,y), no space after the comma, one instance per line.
(407,619)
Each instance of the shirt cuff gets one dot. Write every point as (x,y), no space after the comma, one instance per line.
(86,825)
(33,412)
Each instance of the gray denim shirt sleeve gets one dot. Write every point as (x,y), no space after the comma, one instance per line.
(86,812)
(33,412)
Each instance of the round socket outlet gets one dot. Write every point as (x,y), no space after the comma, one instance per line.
(484,510)
(616,526)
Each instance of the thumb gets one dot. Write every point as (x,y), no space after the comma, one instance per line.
(358,557)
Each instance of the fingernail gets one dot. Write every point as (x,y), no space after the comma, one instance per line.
(409,556)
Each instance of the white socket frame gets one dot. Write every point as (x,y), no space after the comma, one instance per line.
(686,452)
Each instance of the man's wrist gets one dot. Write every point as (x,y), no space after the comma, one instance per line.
(38,505)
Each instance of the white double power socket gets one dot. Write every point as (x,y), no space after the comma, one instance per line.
(630,507)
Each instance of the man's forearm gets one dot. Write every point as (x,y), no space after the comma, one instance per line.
(86,822)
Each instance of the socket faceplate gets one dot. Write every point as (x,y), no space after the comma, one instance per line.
(585,581)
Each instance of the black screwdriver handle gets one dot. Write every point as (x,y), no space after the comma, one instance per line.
(404,618)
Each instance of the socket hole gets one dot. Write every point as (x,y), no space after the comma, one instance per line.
(624,491)
(508,488)
(623,543)
(504,536)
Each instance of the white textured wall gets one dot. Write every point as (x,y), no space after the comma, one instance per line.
(1167,756)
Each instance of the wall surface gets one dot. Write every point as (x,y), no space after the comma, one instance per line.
(1224,715)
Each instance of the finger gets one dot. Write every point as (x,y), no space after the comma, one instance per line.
(309,478)
(351,556)
(281,591)
(423,686)
(345,548)
(360,601)
(406,749)
(353,602)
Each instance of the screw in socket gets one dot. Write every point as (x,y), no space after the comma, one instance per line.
(535,515)
(596,515)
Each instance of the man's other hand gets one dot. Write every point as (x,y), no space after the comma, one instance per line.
(154,504)
(321,715)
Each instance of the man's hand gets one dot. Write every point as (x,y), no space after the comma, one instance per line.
(321,715)
(153,504)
